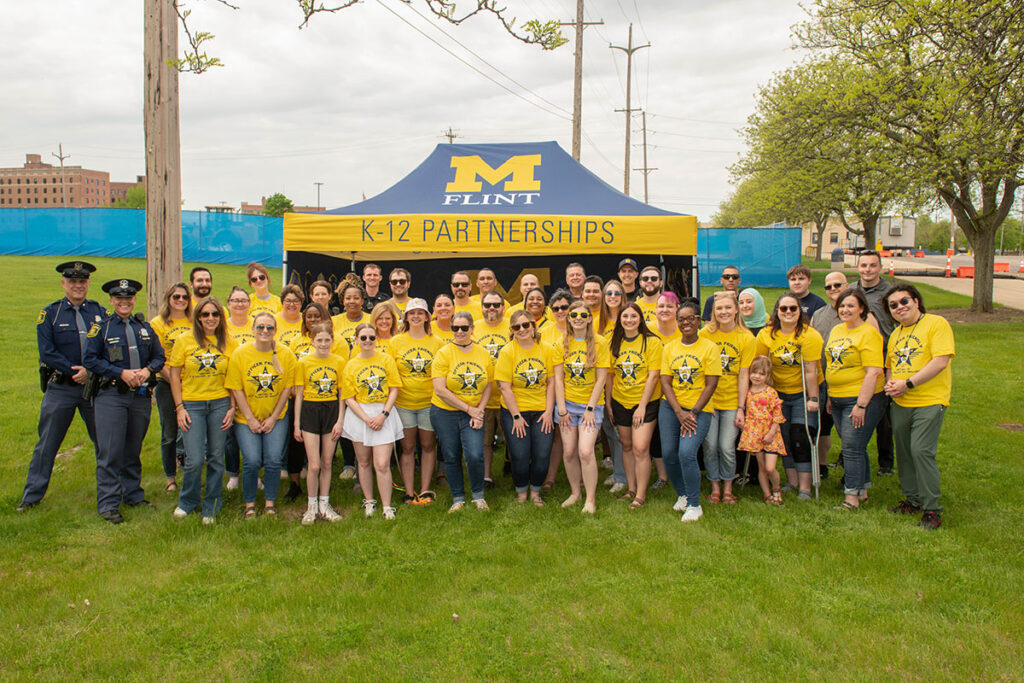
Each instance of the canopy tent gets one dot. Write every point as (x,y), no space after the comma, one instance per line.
(525,207)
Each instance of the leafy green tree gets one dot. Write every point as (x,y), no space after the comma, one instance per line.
(135,198)
(943,81)
(276,205)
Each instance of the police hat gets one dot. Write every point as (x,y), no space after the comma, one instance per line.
(76,270)
(122,288)
(628,262)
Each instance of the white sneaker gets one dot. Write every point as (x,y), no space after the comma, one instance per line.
(692,514)
(616,487)
(369,506)
(680,504)
(348,472)
(481,504)
(607,463)
(207,521)
(389,512)
(309,516)
(328,513)
(456,507)
(610,480)
(179,513)
(232,484)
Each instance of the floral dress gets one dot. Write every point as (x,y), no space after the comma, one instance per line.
(762,410)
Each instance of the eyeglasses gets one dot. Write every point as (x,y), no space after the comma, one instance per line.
(367,337)
(492,304)
(730,276)
(521,326)
(579,314)
(238,301)
(460,328)
(460,284)
(559,309)
(291,302)
(650,278)
(264,328)
(258,278)
(398,281)
(829,288)
(788,309)
(688,318)
(179,297)
(905,301)
(612,292)
(210,314)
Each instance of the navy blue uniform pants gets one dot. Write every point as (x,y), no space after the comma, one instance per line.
(121,422)
(55,415)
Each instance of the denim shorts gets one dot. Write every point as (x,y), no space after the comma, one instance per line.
(576,411)
(415,418)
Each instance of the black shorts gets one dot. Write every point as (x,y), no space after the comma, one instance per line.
(318,417)
(623,417)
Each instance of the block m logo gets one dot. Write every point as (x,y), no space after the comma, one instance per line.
(469,168)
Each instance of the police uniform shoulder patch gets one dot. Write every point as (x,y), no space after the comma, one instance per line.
(93,331)
(42,317)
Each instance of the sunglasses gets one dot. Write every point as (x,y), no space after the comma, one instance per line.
(460,284)
(265,328)
(559,309)
(579,314)
(179,297)
(650,278)
(829,288)
(520,326)
(460,328)
(367,337)
(258,278)
(788,309)
(612,292)
(210,314)
(492,304)
(905,301)
(399,281)
(730,276)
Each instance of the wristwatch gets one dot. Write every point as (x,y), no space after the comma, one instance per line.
(517,416)
(386,413)
(910,383)
(590,409)
(861,407)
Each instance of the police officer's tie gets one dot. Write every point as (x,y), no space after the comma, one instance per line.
(133,346)
(82,331)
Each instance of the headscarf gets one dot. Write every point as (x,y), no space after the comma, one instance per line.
(760,317)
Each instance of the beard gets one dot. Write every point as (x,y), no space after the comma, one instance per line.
(202,292)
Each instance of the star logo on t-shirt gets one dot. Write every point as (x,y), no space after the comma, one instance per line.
(493,345)
(727,361)
(684,374)
(627,369)
(469,379)
(206,359)
(577,368)
(788,356)
(837,351)
(417,364)
(530,376)
(905,354)
(324,383)
(372,382)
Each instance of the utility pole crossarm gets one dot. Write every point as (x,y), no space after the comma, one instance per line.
(63,185)
(577,82)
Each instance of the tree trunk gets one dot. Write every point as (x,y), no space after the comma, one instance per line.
(870,225)
(983,242)
(163,152)
(819,226)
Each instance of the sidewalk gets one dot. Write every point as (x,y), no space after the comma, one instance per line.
(1006,292)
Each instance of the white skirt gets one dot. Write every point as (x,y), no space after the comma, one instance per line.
(356,430)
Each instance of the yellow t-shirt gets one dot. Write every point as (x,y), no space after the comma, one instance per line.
(240,335)
(414,358)
(444,335)
(551,335)
(529,371)
(169,333)
(665,341)
(630,369)
(785,352)
(688,365)
(302,346)
(346,329)
(252,372)
(369,380)
(492,340)
(649,312)
(579,379)
(257,305)
(320,378)
(849,353)
(465,374)
(203,369)
(287,333)
(400,306)
(736,350)
(473,308)
(911,347)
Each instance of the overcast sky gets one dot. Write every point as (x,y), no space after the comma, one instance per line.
(357,99)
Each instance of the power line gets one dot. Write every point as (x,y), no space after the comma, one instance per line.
(683,118)
(695,137)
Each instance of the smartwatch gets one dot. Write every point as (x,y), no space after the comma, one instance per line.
(910,383)
(590,409)
(517,416)
(386,413)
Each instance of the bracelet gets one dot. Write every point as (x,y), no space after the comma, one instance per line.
(860,406)
(561,414)
(812,398)
(179,405)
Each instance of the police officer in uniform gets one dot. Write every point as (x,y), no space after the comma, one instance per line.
(125,354)
(61,331)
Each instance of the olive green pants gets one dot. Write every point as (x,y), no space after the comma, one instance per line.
(915,434)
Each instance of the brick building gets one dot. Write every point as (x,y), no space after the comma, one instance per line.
(257,209)
(41,185)
(119,190)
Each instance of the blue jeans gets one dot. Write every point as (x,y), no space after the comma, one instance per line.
(856,470)
(232,461)
(680,452)
(529,454)
(204,442)
(720,446)
(457,440)
(261,450)
(615,444)
(794,433)
(168,427)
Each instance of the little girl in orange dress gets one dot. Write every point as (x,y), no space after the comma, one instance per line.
(761,435)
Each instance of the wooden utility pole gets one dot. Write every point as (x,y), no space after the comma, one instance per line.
(163,151)
(577,84)
(646,169)
(629,50)
(318,185)
(450,134)
(63,186)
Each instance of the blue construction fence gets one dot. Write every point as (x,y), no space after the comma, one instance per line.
(763,255)
(205,237)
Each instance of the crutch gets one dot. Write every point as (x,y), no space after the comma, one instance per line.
(745,477)
(815,472)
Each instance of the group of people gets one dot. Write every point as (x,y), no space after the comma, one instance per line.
(276,383)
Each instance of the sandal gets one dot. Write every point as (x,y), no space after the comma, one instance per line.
(407,499)
(715,497)
(637,503)
(628,495)
(250,513)
(776,497)
(270,510)
(537,501)
(846,506)
(547,486)
(171,487)
(729,499)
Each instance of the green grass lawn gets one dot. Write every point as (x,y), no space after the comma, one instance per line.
(750,592)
